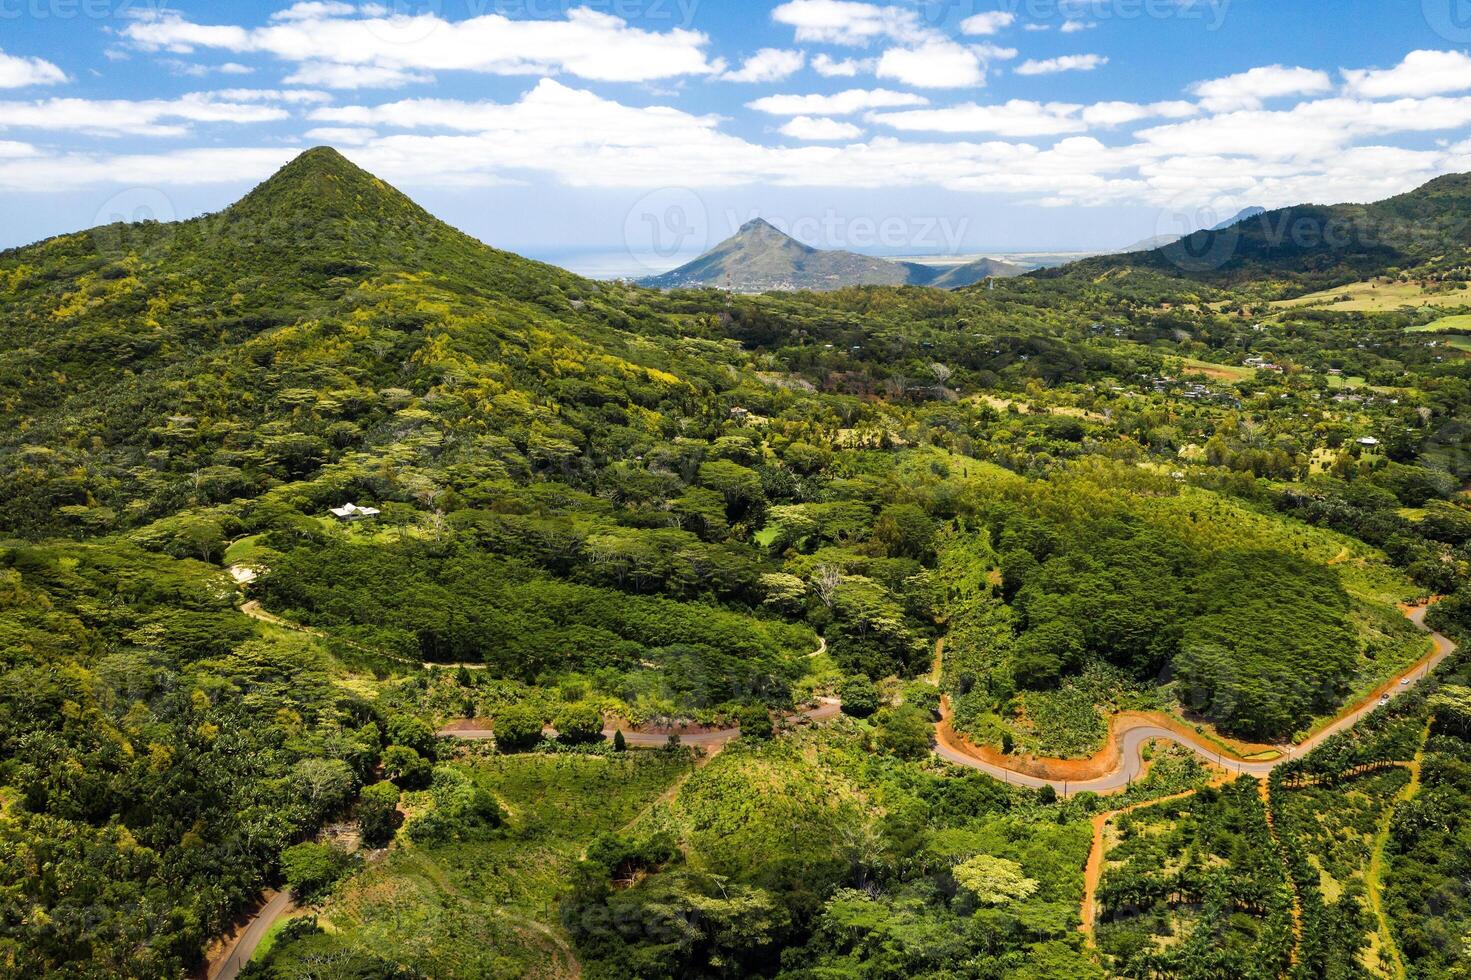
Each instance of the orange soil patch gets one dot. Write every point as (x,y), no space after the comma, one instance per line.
(1104,763)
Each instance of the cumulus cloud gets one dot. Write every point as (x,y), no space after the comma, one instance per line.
(838,104)
(382,49)
(819,130)
(767,65)
(1421,73)
(937,64)
(119,117)
(1068,62)
(830,67)
(1250,89)
(849,22)
(18,72)
(991,22)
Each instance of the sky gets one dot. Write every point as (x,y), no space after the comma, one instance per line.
(623,136)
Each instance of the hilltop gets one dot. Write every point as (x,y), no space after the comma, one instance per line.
(760,258)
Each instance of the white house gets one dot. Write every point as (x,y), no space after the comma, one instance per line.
(352,512)
(1369,441)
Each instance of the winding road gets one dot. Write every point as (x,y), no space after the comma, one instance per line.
(1130,732)
(1112,770)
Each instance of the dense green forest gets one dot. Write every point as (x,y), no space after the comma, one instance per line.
(1025,508)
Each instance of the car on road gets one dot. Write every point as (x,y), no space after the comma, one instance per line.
(1404,682)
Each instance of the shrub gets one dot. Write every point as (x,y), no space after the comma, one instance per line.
(859,696)
(517,728)
(905,732)
(579,724)
(311,869)
(407,768)
(413,732)
(755,722)
(378,813)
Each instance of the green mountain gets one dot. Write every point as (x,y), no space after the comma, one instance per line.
(759,258)
(1310,247)
(971,273)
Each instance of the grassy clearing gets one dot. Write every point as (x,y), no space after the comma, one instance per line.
(1462,322)
(1375,296)
(490,908)
(1221,372)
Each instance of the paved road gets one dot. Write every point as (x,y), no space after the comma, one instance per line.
(231,963)
(1132,738)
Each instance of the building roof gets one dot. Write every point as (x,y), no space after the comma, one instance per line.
(353,510)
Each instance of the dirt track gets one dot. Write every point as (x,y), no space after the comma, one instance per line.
(1121,761)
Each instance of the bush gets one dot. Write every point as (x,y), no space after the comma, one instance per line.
(517,728)
(859,696)
(378,813)
(755,722)
(311,869)
(925,697)
(905,732)
(407,768)
(579,724)
(411,731)
(462,811)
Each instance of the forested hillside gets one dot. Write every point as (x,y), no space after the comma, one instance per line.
(604,509)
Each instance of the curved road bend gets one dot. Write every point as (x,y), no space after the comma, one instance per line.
(1132,739)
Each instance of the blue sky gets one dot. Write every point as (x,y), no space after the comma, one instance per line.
(636,132)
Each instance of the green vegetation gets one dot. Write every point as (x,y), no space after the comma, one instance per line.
(604,505)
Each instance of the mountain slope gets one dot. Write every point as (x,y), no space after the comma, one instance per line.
(974,272)
(759,258)
(289,314)
(1312,247)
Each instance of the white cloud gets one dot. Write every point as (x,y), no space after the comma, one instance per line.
(1078,26)
(849,22)
(341,135)
(838,104)
(1249,89)
(314,10)
(383,49)
(355,76)
(1421,73)
(819,130)
(937,64)
(178,169)
(1068,62)
(767,65)
(829,67)
(290,95)
(1308,131)
(1122,113)
(991,22)
(235,68)
(117,117)
(17,72)
(1022,118)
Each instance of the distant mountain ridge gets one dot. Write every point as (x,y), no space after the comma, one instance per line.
(761,258)
(1310,246)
